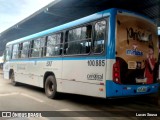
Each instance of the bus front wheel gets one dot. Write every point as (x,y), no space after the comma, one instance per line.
(13,82)
(51,87)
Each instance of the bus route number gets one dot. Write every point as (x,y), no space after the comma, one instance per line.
(49,63)
(96,62)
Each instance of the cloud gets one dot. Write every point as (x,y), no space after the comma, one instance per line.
(13,11)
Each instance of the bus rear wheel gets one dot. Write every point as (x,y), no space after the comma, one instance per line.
(51,87)
(13,82)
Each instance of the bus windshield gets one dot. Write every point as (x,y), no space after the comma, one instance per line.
(137,50)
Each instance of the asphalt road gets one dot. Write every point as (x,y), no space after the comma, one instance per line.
(72,107)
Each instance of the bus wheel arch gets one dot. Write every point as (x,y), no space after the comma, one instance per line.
(12,77)
(50,85)
(10,73)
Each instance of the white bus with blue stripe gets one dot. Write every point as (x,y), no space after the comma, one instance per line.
(102,55)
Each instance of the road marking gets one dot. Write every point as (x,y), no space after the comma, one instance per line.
(8,94)
(34,98)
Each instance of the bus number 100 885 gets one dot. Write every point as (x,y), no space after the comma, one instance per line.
(96,62)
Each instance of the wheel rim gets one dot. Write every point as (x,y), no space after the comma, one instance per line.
(50,87)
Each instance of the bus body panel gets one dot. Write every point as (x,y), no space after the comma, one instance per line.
(91,80)
(109,67)
(111,35)
(35,69)
(81,88)
(90,72)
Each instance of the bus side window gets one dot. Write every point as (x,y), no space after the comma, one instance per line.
(20,50)
(45,47)
(7,54)
(35,48)
(88,37)
(54,45)
(25,50)
(66,43)
(30,48)
(99,40)
(78,40)
(15,51)
(59,44)
(42,46)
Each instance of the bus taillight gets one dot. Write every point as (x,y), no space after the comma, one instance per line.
(116,72)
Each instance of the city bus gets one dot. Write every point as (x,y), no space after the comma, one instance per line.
(109,54)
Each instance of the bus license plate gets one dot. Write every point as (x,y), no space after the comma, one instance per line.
(141,89)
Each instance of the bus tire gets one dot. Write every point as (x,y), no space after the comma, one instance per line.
(51,87)
(13,82)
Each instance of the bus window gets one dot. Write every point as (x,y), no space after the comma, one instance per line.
(25,47)
(30,48)
(7,55)
(54,45)
(100,28)
(20,50)
(35,48)
(78,40)
(42,46)
(15,51)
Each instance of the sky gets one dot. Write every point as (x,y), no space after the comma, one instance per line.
(13,11)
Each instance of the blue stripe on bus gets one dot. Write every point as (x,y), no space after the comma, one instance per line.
(58,58)
(120,90)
